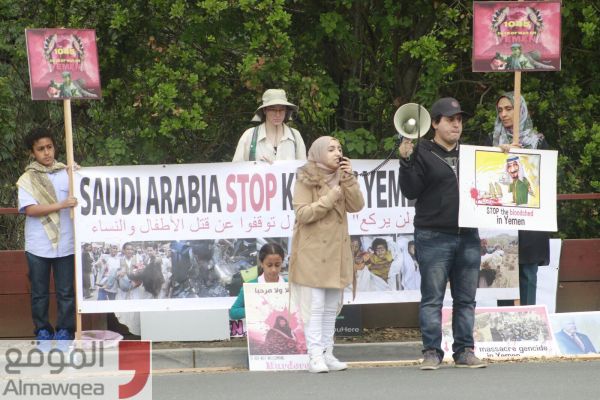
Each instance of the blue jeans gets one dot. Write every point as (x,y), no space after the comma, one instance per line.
(63,269)
(104,295)
(447,257)
(527,283)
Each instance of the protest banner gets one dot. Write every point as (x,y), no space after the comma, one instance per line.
(507,191)
(505,332)
(276,340)
(515,36)
(203,225)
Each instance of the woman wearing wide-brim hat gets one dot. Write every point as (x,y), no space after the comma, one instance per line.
(273,139)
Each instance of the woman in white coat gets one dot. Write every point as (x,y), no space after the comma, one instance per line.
(273,139)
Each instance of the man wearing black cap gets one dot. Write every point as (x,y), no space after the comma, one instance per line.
(445,252)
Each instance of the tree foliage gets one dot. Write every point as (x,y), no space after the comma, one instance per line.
(181,80)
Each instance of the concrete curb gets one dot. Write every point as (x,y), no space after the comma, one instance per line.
(237,357)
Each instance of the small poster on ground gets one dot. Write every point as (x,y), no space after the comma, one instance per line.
(515,190)
(63,64)
(577,333)
(505,332)
(515,36)
(275,333)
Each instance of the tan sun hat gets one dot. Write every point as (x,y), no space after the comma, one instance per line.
(273,97)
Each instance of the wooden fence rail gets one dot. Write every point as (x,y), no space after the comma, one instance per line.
(578,288)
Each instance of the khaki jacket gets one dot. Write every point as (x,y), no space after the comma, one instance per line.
(321,256)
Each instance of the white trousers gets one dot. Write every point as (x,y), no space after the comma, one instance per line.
(321,326)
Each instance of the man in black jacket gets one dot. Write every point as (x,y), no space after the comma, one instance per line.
(445,252)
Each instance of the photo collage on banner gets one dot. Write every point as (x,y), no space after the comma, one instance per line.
(171,270)
(387,269)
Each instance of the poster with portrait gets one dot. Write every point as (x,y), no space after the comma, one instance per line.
(577,333)
(63,64)
(516,36)
(275,333)
(505,333)
(515,190)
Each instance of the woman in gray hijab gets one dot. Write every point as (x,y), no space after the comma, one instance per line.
(534,246)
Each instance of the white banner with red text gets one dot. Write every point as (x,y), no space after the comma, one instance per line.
(186,237)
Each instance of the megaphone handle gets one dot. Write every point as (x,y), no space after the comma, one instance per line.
(415,151)
(406,148)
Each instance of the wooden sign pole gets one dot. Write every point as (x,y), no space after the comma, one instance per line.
(517,108)
(517,121)
(70,166)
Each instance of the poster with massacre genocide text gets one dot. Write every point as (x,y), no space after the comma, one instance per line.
(177,237)
(63,64)
(505,332)
(516,36)
(515,190)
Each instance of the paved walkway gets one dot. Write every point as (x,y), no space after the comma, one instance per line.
(500,381)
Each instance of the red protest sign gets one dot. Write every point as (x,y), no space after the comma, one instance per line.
(63,64)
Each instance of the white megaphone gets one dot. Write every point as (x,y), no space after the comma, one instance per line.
(412,120)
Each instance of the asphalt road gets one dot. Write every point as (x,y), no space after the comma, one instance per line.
(502,381)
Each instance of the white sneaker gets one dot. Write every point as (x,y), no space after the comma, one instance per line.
(317,365)
(333,363)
